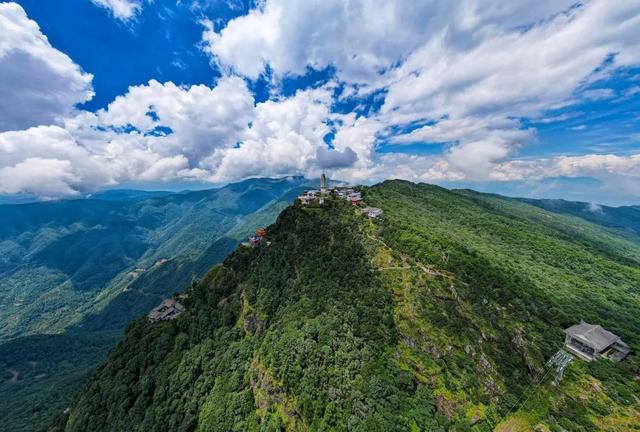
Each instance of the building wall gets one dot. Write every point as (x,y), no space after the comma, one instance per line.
(588,352)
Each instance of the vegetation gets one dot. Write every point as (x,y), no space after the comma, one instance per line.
(73,274)
(439,317)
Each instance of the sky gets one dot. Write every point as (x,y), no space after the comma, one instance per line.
(530,98)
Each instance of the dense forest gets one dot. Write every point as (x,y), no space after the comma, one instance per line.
(74,273)
(439,316)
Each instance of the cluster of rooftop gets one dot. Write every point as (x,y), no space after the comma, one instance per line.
(343,192)
(346,193)
(590,342)
(167,310)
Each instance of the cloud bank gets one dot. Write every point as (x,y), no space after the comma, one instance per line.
(468,79)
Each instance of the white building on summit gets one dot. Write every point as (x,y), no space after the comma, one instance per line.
(590,342)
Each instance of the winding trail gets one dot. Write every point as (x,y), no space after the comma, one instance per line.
(427,269)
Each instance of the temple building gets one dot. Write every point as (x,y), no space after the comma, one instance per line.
(372,212)
(354,198)
(590,342)
(168,310)
(308,197)
(323,184)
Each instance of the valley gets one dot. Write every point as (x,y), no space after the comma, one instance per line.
(75,273)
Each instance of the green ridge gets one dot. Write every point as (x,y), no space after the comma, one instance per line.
(439,317)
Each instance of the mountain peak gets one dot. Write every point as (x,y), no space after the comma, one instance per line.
(414,321)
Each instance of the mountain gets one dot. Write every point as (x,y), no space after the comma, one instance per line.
(626,217)
(128,194)
(16,199)
(439,316)
(63,260)
(73,273)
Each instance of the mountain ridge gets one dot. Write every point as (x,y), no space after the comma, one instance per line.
(440,316)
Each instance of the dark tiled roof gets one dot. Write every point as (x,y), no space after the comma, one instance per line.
(595,335)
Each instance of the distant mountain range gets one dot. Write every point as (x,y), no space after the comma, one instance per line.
(129,194)
(440,315)
(73,273)
(626,217)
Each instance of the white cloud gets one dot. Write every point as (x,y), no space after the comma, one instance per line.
(360,38)
(471,68)
(590,165)
(594,208)
(598,94)
(509,74)
(121,9)
(38,84)
(93,150)
(201,118)
(47,161)
(618,176)
(209,134)
(284,139)
(517,73)
(472,74)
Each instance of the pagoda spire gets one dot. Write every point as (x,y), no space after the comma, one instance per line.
(323,184)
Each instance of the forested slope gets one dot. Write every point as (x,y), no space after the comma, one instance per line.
(75,273)
(63,260)
(440,316)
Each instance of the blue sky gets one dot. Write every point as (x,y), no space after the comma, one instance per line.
(540,98)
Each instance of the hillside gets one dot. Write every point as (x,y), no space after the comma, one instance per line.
(63,260)
(438,317)
(625,217)
(74,273)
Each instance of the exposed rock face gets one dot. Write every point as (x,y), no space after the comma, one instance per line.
(445,407)
(271,396)
(252,323)
(521,347)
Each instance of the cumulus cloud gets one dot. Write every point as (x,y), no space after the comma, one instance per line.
(592,165)
(467,70)
(373,35)
(163,132)
(283,138)
(47,161)
(155,132)
(196,119)
(121,9)
(470,76)
(335,158)
(38,84)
